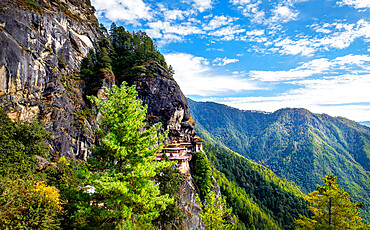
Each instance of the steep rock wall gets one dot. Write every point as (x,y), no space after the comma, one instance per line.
(41,47)
(166,103)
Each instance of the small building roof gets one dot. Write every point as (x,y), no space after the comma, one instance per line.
(197,139)
(184,157)
(172,149)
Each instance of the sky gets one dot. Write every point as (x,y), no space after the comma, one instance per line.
(260,55)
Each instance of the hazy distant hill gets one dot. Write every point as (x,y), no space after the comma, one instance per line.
(294,143)
(367,123)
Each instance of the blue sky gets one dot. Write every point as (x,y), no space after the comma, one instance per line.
(260,55)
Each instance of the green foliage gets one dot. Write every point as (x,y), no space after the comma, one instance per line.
(104,61)
(28,204)
(127,54)
(69,177)
(294,143)
(61,61)
(125,161)
(250,215)
(82,115)
(214,213)
(278,198)
(32,4)
(332,208)
(131,50)
(202,173)
(170,180)
(19,142)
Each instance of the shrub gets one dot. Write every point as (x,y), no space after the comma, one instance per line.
(61,61)
(28,204)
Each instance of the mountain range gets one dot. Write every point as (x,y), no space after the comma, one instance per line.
(294,143)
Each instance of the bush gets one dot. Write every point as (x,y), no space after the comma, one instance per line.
(28,204)
(19,142)
(61,61)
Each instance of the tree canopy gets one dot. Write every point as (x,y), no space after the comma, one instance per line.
(215,213)
(332,208)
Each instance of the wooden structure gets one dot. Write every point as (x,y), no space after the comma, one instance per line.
(181,152)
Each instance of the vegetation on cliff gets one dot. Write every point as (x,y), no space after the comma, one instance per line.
(127,54)
(115,189)
(125,162)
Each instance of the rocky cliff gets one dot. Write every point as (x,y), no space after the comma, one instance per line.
(166,103)
(42,44)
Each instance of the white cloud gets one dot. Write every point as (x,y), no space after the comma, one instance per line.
(196,77)
(342,37)
(349,64)
(174,14)
(218,21)
(250,9)
(130,11)
(283,13)
(170,31)
(287,46)
(355,3)
(227,33)
(346,95)
(255,32)
(215,49)
(305,70)
(342,88)
(224,61)
(200,5)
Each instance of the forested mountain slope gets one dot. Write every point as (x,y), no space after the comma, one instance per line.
(294,143)
(251,189)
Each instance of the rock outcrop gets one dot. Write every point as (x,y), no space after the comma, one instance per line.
(166,103)
(42,49)
(42,44)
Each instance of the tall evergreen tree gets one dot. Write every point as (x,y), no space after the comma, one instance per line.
(332,209)
(125,161)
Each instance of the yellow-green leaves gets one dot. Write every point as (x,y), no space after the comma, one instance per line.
(332,208)
(214,213)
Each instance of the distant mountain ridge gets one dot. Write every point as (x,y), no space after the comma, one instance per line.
(366,123)
(294,143)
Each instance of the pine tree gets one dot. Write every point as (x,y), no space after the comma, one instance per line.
(125,162)
(332,208)
(170,180)
(202,173)
(214,213)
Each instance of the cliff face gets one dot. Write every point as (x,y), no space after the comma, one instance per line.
(41,47)
(166,104)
